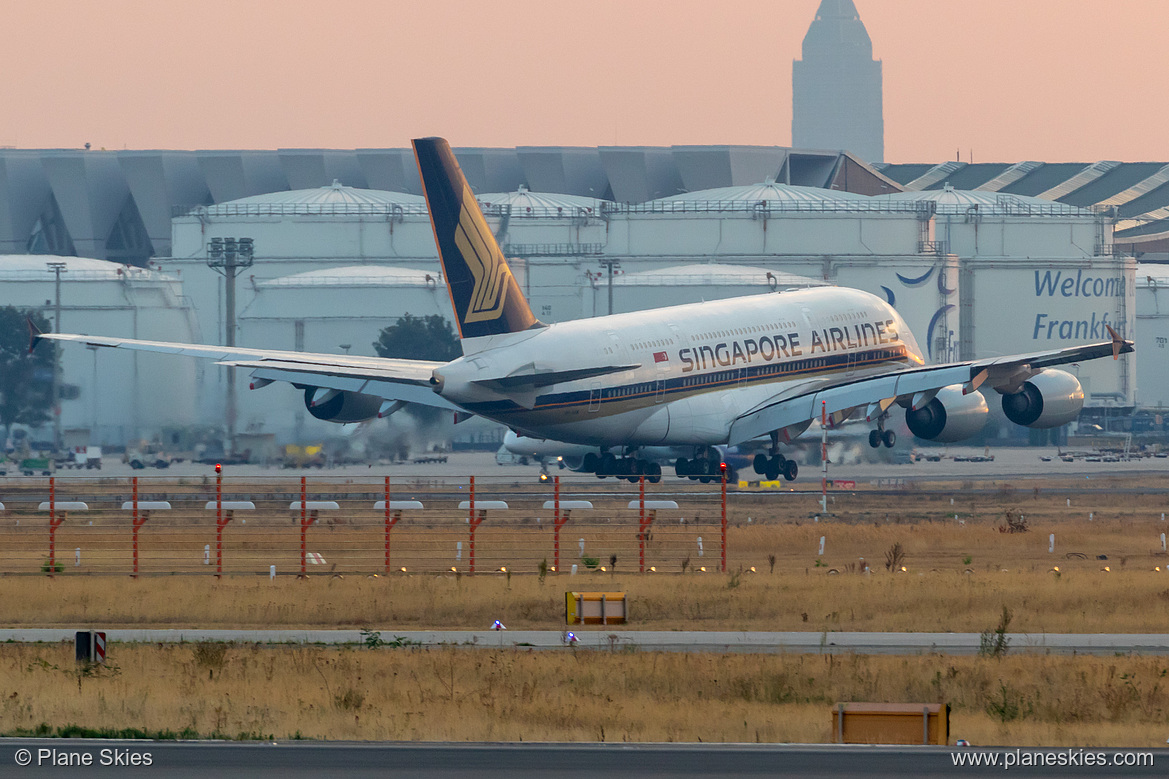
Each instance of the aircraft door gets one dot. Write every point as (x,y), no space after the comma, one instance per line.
(660,391)
(594,397)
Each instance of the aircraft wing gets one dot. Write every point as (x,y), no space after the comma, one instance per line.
(798,405)
(392,379)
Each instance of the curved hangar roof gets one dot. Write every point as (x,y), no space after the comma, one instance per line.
(768,191)
(951,200)
(335,198)
(32,267)
(356,276)
(523,201)
(715,275)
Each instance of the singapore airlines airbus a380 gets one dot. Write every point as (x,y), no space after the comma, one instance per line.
(697,375)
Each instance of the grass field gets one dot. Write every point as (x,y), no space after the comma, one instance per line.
(1135,601)
(512,695)
(960,570)
(940,528)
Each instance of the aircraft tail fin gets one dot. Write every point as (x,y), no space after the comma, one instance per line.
(486,298)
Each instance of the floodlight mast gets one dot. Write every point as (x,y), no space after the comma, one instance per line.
(228,256)
(57,268)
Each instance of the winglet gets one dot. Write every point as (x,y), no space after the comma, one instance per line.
(34,335)
(1117,342)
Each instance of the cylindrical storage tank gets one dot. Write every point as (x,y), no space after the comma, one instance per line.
(680,284)
(294,232)
(764,219)
(119,396)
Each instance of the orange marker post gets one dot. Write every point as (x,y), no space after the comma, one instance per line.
(558,522)
(723,467)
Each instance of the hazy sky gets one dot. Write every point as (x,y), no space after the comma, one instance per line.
(1005,79)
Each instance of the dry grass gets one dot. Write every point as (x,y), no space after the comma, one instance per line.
(512,695)
(936,532)
(1125,601)
(960,569)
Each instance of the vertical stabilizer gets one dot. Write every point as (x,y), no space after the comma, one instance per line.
(486,298)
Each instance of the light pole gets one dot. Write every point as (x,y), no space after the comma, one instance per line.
(228,256)
(93,395)
(610,265)
(57,268)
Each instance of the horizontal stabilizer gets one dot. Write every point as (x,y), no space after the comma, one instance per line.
(34,335)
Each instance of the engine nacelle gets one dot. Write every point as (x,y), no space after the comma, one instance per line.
(950,416)
(1050,398)
(343,406)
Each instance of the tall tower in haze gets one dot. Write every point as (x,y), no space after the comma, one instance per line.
(836,87)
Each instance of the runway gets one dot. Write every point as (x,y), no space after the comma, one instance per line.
(1009,463)
(304,759)
(617,640)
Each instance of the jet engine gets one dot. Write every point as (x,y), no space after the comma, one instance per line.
(1050,398)
(950,416)
(341,407)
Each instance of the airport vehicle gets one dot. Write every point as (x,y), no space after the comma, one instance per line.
(698,375)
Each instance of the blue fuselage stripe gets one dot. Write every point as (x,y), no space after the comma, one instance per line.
(700,382)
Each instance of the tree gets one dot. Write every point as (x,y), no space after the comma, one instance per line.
(26,380)
(419,338)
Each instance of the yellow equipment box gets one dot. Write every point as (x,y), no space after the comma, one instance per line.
(594,608)
(891,723)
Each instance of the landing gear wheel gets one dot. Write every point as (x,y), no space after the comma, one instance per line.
(590,463)
(775,466)
(607,466)
(889,438)
(653,473)
(682,466)
(875,437)
(760,464)
(791,469)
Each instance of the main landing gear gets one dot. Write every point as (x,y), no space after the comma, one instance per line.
(881,435)
(704,467)
(628,468)
(775,466)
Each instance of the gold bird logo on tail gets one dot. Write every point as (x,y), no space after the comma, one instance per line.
(487,265)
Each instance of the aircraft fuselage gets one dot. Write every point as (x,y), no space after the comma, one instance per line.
(700,365)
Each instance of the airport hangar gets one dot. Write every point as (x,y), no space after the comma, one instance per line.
(981,260)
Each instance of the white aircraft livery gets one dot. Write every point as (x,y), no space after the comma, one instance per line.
(700,376)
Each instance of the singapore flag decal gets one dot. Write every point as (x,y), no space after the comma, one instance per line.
(661,357)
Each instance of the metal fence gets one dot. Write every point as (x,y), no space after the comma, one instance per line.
(213,526)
